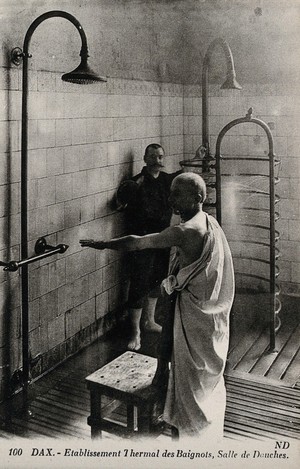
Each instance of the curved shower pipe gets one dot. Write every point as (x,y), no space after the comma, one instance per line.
(275,305)
(203,156)
(230,83)
(81,75)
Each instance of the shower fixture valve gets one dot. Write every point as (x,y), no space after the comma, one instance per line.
(17,55)
(249,113)
(41,247)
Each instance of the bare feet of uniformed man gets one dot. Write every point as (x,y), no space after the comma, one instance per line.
(152,326)
(135,343)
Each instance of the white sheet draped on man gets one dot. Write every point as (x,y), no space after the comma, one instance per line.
(196,396)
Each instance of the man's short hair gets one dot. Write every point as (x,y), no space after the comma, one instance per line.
(195,182)
(153,145)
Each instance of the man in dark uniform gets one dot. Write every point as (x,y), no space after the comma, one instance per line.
(145,199)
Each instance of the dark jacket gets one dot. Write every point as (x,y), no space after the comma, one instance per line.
(149,211)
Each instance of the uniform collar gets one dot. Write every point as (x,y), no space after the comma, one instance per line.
(146,174)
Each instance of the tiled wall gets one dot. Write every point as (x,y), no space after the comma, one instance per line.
(83,140)
(279,107)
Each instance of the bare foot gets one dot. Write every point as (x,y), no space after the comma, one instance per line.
(134,343)
(152,326)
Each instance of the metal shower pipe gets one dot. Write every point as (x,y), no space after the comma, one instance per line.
(24,55)
(230,83)
(203,156)
(275,304)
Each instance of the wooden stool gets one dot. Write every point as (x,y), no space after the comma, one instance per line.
(127,379)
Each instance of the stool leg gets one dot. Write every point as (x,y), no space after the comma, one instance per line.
(174,433)
(96,433)
(144,420)
(130,417)
(95,414)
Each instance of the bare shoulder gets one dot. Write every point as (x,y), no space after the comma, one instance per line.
(176,232)
(198,223)
(185,234)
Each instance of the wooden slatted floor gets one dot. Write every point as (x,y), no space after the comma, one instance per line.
(249,355)
(259,410)
(60,402)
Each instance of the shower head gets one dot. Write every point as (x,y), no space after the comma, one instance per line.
(83,74)
(231,83)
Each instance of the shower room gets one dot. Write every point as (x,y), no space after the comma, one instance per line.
(85,88)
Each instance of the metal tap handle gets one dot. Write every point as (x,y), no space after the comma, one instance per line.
(41,247)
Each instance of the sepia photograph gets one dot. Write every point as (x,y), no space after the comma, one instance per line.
(150,234)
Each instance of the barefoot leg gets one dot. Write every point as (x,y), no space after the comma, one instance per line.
(135,318)
(149,311)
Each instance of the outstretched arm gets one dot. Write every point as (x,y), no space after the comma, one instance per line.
(171,236)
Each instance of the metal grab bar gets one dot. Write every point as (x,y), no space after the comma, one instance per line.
(42,249)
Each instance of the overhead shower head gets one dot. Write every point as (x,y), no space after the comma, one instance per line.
(231,83)
(83,74)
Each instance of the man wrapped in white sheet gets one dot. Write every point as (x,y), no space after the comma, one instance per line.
(202,275)
(196,397)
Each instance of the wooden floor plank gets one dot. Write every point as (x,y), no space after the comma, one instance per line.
(279,390)
(75,401)
(236,355)
(260,347)
(254,378)
(38,430)
(250,355)
(270,419)
(265,362)
(68,388)
(289,403)
(278,395)
(293,371)
(77,381)
(286,355)
(265,406)
(62,417)
(234,427)
(257,349)
(57,430)
(258,426)
(63,405)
